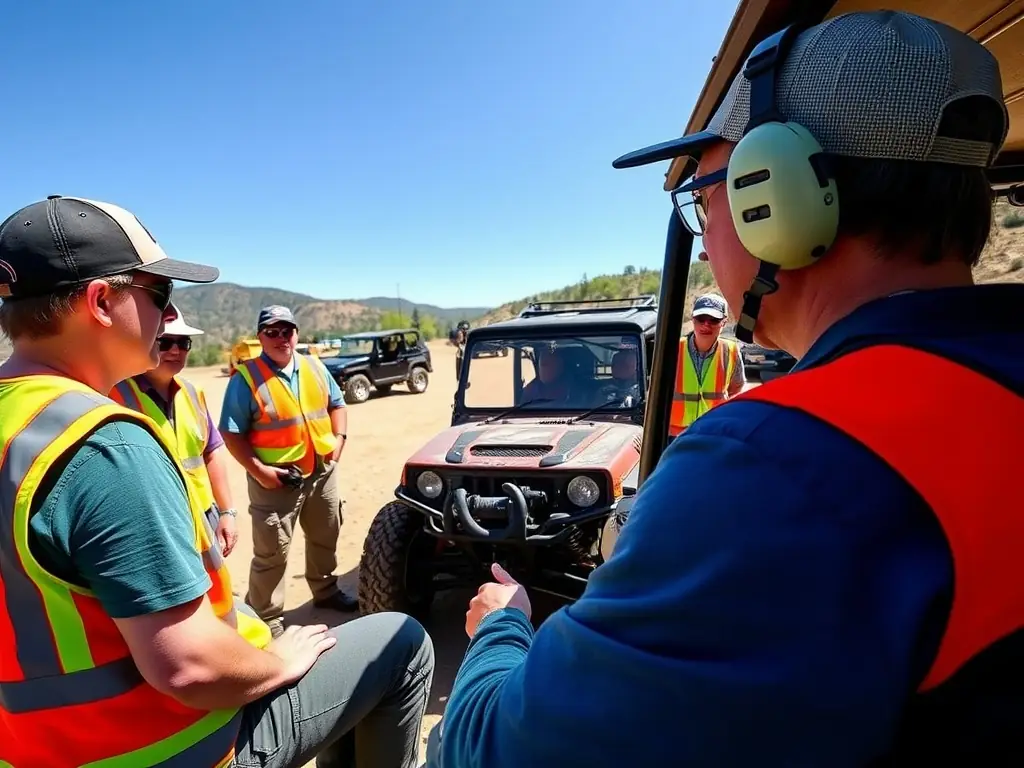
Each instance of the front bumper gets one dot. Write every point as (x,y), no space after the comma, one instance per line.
(462,515)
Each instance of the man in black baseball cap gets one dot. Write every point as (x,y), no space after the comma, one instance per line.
(115,599)
(74,268)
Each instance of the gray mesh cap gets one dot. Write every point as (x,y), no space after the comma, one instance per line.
(872,85)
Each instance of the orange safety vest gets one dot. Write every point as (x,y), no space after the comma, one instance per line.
(960,468)
(290,430)
(70,692)
(693,398)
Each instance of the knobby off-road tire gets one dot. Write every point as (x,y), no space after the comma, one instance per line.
(357,389)
(394,573)
(418,380)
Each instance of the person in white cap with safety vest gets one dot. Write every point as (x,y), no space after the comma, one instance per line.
(710,369)
(178,406)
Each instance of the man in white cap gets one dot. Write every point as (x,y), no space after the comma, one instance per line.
(710,369)
(179,407)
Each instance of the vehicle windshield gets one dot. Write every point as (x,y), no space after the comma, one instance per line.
(354,347)
(555,373)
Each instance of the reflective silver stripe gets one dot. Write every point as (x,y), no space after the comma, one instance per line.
(210,751)
(212,556)
(37,653)
(242,607)
(65,690)
(197,406)
(319,413)
(193,462)
(124,388)
(279,424)
(679,397)
(262,388)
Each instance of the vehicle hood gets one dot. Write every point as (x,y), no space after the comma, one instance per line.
(530,445)
(345,362)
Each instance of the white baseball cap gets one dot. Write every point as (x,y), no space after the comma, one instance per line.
(178,326)
(712,305)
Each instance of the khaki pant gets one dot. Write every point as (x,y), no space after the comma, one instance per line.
(317,508)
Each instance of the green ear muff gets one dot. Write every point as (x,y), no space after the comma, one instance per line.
(782,194)
(784,204)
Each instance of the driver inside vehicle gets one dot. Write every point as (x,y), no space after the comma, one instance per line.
(623,383)
(551,382)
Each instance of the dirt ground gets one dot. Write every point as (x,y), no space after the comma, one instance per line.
(382,434)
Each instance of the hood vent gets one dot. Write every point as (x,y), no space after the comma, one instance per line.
(510,451)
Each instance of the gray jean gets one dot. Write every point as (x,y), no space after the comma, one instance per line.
(360,706)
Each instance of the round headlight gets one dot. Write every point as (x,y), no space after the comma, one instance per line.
(430,484)
(582,491)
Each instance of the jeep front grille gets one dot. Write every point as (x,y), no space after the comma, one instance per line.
(511,452)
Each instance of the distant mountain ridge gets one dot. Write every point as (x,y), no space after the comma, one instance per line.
(227,311)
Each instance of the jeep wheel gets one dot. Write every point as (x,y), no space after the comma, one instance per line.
(418,380)
(394,570)
(357,389)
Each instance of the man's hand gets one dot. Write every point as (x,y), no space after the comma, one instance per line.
(507,593)
(269,477)
(300,647)
(227,534)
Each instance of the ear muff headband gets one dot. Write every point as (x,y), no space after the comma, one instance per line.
(782,196)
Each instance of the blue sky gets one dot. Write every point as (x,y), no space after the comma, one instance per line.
(460,149)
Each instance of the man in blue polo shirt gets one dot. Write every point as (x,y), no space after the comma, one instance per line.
(796,618)
(276,507)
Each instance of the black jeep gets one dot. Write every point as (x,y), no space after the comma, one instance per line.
(544,443)
(378,360)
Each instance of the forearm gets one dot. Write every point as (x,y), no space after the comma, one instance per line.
(227,672)
(192,656)
(498,648)
(217,469)
(239,448)
(339,421)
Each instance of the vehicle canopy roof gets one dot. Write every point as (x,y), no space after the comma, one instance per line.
(370,335)
(590,316)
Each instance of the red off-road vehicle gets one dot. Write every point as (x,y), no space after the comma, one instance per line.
(544,444)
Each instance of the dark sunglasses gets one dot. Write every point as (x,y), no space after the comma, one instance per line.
(165,343)
(274,331)
(160,293)
(707,319)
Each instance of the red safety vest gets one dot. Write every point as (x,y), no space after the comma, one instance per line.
(958,461)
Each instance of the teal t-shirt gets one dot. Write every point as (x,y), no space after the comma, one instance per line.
(116,521)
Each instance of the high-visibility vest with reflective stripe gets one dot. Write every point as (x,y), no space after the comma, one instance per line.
(189,436)
(693,398)
(188,433)
(70,693)
(290,430)
(967,706)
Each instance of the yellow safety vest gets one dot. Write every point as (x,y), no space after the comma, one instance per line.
(188,433)
(290,430)
(70,693)
(694,398)
(189,437)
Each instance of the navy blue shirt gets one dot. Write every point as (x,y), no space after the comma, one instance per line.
(776,598)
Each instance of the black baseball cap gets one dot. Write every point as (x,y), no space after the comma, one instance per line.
(65,241)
